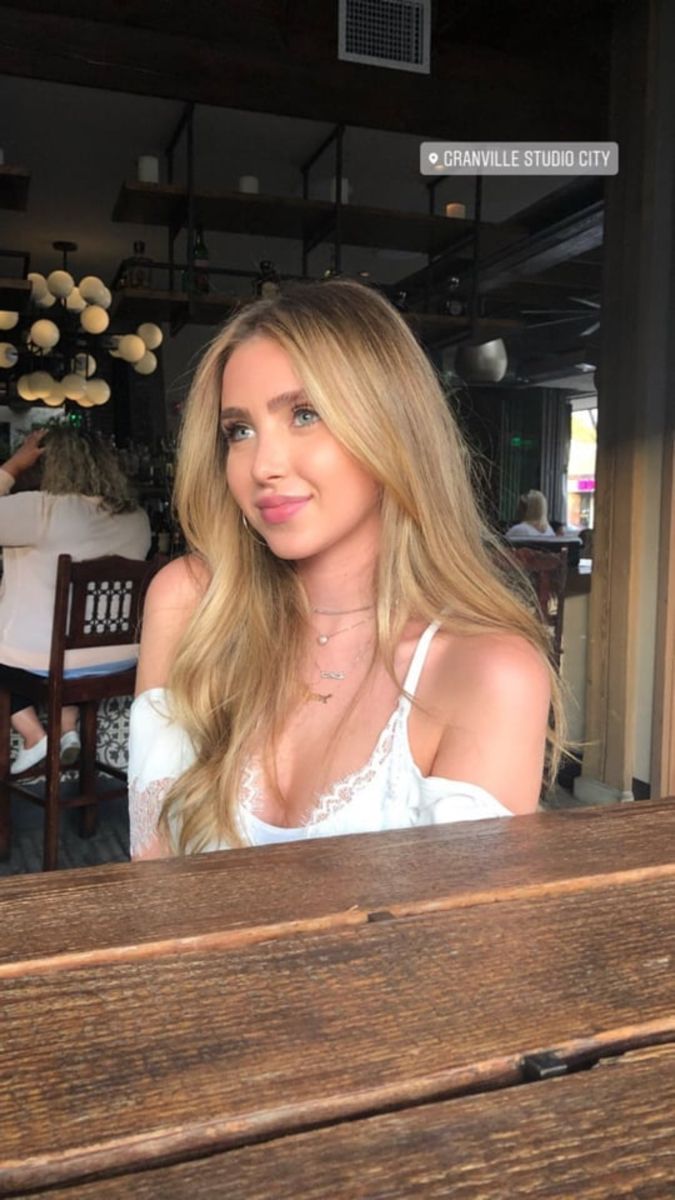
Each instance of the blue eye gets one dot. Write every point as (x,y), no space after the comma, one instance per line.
(231,432)
(304,411)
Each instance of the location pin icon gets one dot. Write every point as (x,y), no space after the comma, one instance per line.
(433,158)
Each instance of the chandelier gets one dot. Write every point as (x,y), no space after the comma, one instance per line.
(59,350)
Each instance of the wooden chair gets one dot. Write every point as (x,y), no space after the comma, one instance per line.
(98,603)
(547,571)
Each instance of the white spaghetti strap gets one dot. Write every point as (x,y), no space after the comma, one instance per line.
(419,658)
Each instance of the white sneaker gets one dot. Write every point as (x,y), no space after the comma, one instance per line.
(26,759)
(70,748)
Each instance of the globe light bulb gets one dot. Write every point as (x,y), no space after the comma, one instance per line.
(94,319)
(147,364)
(44,334)
(85,365)
(73,386)
(9,355)
(24,388)
(93,289)
(60,283)
(75,301)
(151,334)
(98,391)
(131,347)
(38,285)
(41,384)
(8,320)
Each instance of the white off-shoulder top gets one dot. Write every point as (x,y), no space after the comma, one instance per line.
(388,792)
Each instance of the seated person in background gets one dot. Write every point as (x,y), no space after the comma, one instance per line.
(531,517)
(84,508)
(340,653)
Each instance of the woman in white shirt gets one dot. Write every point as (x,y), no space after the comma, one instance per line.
(84,508)
(531,517)
(341,651)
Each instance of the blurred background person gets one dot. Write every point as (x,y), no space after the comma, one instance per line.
(84,507)
(531,517)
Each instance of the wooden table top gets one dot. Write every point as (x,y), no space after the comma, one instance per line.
(358,1016)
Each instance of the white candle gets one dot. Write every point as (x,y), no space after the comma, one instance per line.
(148,168)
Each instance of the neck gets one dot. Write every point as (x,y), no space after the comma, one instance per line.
(345,582)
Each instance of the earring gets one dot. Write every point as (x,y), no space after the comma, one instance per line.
(252,534)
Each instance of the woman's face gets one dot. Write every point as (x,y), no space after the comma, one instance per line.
(295,484)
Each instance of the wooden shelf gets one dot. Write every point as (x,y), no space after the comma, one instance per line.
(288,217)
(14,294)
(147,304)
(14,182)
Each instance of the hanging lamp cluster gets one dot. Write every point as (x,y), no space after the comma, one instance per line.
(55,358)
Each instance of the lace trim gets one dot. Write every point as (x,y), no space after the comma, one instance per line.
(341,793)
(145,805)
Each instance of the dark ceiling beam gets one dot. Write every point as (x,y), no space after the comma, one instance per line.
(266,64)
(543,250)
(526,293)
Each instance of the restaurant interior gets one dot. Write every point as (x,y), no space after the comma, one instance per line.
(481,1009)
(182,163)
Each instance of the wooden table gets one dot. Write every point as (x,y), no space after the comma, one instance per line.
(478,1010)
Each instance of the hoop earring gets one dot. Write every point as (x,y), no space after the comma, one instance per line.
(251,533)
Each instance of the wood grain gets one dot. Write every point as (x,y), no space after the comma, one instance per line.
(130,912)
(596,1135)
(135,1063)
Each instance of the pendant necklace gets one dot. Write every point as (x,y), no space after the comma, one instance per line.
(337,676)
(324,638)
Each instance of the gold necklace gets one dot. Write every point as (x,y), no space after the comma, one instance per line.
(324,638)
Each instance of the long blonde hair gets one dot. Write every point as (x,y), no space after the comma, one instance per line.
(237,673)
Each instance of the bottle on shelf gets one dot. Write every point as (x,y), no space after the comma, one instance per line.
(199,255)
(267,283)
(138,268)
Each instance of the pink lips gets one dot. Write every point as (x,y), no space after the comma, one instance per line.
(277,509)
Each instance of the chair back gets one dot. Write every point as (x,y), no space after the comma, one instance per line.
(98,602)
(547,571)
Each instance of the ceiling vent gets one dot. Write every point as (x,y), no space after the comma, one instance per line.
(386,33)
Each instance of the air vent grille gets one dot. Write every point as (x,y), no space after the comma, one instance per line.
(386,33)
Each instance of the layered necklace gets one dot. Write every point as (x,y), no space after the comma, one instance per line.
(322,639)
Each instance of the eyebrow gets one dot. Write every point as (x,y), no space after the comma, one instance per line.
(273,405)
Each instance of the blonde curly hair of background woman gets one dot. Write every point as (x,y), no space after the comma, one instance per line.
(82,463)
(237,673)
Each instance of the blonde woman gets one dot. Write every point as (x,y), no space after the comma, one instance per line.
(339,653)
(531,517)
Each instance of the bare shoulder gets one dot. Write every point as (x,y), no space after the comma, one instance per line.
(491,695)
(494,667)
(170,603)
(180,584)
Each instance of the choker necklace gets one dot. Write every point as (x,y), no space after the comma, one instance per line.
(324,638)
(341,612)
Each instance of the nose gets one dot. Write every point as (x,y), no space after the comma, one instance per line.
(271,457)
